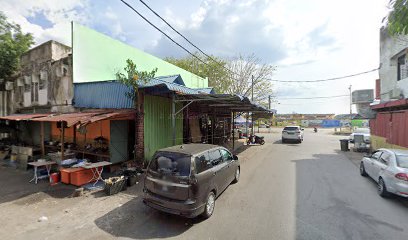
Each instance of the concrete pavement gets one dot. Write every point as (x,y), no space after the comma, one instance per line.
(286,191)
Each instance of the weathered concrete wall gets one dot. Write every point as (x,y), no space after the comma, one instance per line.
(45,80)
(390,49)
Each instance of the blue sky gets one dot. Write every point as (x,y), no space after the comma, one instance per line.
(306,40)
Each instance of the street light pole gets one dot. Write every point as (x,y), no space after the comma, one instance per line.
(351,112)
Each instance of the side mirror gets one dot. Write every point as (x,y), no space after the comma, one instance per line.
(235,157)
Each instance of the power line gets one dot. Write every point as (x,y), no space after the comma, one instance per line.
(192,44)
(324,80)
(158,29)
(304,98)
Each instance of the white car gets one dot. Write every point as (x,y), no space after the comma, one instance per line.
(365,132)
(389,168)
(292,133)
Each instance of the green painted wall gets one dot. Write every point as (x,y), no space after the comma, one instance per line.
(97,57)
(157,125)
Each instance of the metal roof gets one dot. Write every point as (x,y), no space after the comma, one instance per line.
(112,94)
(81,118)
(102,95)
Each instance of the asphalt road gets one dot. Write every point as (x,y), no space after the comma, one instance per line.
(286,191)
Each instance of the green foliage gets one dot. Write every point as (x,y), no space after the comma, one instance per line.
(398,17)
(134,78)
(214,71)
(13,43)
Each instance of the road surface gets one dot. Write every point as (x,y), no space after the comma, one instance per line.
(286,191)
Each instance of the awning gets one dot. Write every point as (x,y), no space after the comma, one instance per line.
(224,102)
(391,104)
(80,118)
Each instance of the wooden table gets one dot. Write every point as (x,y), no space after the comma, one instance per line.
(46,164)
(97,174)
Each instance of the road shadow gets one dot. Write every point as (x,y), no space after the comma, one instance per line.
(137,221)
(293,144)
(15,187)
(334,202)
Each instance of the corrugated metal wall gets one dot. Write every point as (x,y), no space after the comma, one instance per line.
(391,125)
(102,95)
(157,124)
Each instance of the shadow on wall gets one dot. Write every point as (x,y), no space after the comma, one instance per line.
(334,202)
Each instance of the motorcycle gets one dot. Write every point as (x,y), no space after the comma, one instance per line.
(315,130)
(253,139)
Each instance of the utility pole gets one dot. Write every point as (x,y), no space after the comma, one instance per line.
(351,116)
(269,101)
(252,99)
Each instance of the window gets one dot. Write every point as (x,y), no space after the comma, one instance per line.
(402,70)
(226,156)
(402,161)
(171,163)
(291,129)
(202,163)
(385,158)
(34,92)
(215,157)
(376,155)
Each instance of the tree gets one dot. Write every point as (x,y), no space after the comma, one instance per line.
(13,43)
(215,71)
(233,75)
(397,19)
(134,79)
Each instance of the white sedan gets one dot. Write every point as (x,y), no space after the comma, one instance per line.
(389,168)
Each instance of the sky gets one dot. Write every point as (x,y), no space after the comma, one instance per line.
(305,40)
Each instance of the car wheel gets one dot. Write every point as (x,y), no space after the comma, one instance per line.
(283,140)
(382,189)
(362,170)
(209,205)
(237,174)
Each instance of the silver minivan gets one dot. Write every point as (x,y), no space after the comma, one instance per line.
(186,179)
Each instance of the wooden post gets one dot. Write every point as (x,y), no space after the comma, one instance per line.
(42,139)
(62,140)
(74,133)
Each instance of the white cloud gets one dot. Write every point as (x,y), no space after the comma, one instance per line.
(59,14)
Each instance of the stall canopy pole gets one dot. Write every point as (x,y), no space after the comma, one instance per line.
(233,131)
(213,126)
(246,127)
(42,139)
(62,140)
(173,118)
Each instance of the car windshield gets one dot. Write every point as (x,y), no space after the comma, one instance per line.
(291,128)
(362,130)
(402,161)
(171,163)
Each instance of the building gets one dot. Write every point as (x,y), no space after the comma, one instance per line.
(44,83)
(389,128)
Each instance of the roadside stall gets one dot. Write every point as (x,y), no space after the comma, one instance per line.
(78,145)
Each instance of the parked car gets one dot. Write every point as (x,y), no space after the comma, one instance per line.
(389,168)
(186,179)
(365,132)
(292,133)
